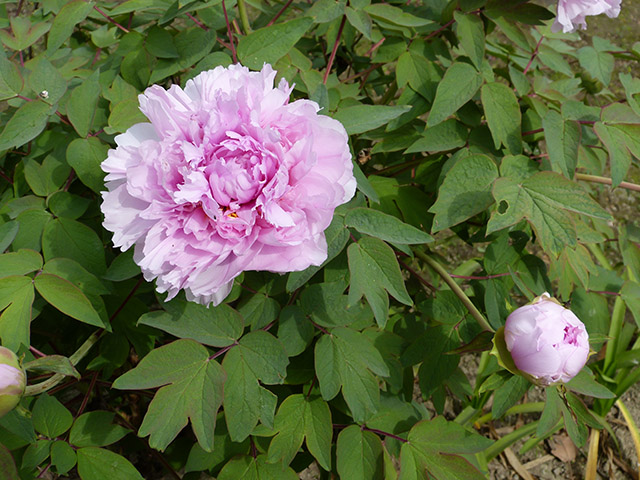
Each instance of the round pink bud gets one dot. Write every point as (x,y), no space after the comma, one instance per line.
(12,381)
(547,341)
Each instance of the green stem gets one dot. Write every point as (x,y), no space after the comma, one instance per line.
(74,359)
(508,440)
(606,181)
(475,313)
(617,319)
(515,410)
(244,18)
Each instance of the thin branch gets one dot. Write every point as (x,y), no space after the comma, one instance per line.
(419,277)
(606,181)
(229,33)
(197,22)
(475,313)
(334,50)
(533,56)
(444,27)
(97,9)
(244,17)
(474,277)
(85,400)
(282,10)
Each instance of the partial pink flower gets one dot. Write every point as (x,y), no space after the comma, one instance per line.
(228,176)
(547,341)
(12,381)
(572,13)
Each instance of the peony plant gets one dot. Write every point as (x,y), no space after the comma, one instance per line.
(290,239)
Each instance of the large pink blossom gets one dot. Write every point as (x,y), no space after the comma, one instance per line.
(572,13)
(228,176)
(547,341)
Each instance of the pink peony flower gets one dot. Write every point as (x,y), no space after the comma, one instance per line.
(572,13)
(12,381)
(547,341)
(228,176)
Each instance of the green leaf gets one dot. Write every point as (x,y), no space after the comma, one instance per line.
(46,178)
(437,366)
(32,223)
(297,418)
(359,455)
(361,21)
(98,463)
(385,227)
(159,43)
(374,269)
(24,34)
(460,83)
(544,199)
(192,45)
(25,124)
(217,326)
(442,137)
(257,357)
(347,359)
(8,232)
(418,72)
(621,141)
(122,268)
(19,263)
(551,413)
(8,469)
(65,22)
(45,77)
(324,11)
(465,191)
(586,384)
(470,30)
(83,100)
(395,15)
(124,115)
(597,64)
(433,450)
(270,44)
(50,417)
(563,140)
(503,116)
(295,331)
(508,394)
(67,238)
(16,298)
(85,155)
(67,298)
(362,118)
(68,205)
(96,429)
(52,364)
(63,457)
(249,468)
(326,305)
(192,391)
(11,82)
(259,311)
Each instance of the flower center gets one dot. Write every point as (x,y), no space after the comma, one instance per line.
(571,335)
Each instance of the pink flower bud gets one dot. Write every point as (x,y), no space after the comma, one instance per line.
(572,13)
(547,341)
(12,381)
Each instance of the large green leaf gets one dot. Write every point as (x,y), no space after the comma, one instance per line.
(19,263)
(433,451)
(563,140)
(258,357)
(374,272)
(83,100)
(25,124)
(621,141)
(503,116)
(192,44)
(16,299)
(99,463)
(270,44)
(470,30)
(85,155)
(50,417)
(460,83)
(444,136)
(347,359)
(191,390)
(362,118)
(65,22)
(299,417)
(597,64)
(545,200)
(359,455)
(96,429)
(249,468)
(216,326)
(465,191)
(63,237)
(385,227)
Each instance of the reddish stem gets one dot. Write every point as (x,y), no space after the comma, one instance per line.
(444,27)
(97,9)
(230,33)
(375,46)
(533,56)
(334,50)
(197,22)
(85,400)
(277,16)
(36,352)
